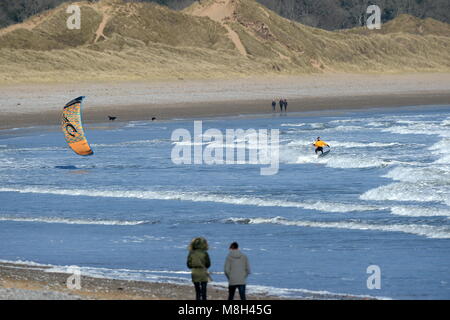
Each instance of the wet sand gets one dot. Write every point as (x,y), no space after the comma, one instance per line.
(31,105)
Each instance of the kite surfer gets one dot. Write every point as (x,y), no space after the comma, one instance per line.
(319,144)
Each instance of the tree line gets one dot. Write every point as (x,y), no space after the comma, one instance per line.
(326,14)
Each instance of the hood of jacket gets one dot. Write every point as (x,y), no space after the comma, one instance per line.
(198,244)
(235,254)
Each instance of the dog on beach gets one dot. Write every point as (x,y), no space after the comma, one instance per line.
(112,118)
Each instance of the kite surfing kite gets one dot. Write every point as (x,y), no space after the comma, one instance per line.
(73,128)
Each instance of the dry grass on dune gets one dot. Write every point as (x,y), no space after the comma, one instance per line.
(214,39)
(157,62)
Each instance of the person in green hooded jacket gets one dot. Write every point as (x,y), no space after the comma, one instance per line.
(198,261)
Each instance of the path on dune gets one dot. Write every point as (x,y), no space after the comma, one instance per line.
(221,12)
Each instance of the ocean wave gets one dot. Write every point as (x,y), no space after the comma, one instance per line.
(74,221)
(443,160)
(344,162)
(10,149)
(301,293)
(31,149)
(417,174)
(446,122)
(379,124)
(441,147)
(419,127)
(347,144)
(345,120)
(354,162)
(140,239)
(141,123)
(130,143)
(347,128)
(416,229)
(298,125)
(199,197)
(406,191)
(415,211)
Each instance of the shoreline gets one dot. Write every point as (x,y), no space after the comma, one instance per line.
(36,280)
(222,109)
(32,105)
(32,282)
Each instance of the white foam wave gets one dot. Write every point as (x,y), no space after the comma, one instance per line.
(406,191)
(418,174)
(324,126)
(130,143)
(198,197)
(301,293)
(188,143)
(415,211)
(347,128)
(36,149)
(419,127)
(344,162)
(346,144)
(441,147)
(355,162)
(25,263)
(443,160)
(73,221)
(416,229)
(293,124)
(378,124)
(345,120)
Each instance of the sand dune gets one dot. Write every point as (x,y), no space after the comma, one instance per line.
(215,39)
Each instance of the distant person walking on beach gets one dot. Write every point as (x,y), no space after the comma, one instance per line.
(274,104)
(237,269)
(198,261)
(281,102)
(285,105)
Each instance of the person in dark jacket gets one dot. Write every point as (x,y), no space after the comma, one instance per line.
(281,102)
(198,261)
(237,269)
(274,104)
(285,105)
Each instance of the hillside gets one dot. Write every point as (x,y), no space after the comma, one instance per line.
(215,39)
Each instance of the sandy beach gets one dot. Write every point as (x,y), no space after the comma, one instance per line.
(18,281)
(37,283)
(28,282)
(41,104)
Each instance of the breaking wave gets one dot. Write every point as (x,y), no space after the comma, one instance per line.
(415,211)
(344,162)
(198,197)
(74,221)
(416,229)
(406,191)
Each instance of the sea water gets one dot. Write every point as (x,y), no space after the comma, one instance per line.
(381,197)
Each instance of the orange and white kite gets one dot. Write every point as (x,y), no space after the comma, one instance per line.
(73,128)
